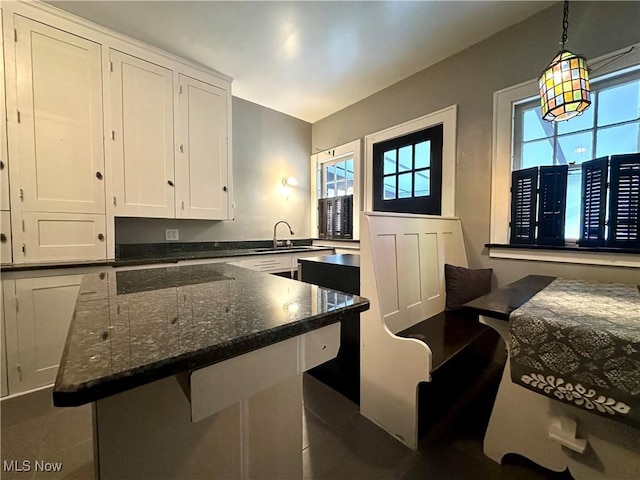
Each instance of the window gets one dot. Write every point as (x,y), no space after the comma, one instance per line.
(413,165)
(335,192)
(616,64)
(407,173)
(610,126)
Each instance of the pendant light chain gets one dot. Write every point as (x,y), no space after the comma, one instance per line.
(565,23)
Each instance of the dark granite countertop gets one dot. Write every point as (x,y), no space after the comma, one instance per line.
(345,260)
(134,327)
(149,254)
(501,302)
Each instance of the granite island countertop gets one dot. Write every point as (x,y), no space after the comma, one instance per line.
(134,327)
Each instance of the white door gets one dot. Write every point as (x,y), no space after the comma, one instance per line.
(142,111)
(37,333)
(60,129)
(202,156)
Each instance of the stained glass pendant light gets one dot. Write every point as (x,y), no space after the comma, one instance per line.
(564,84)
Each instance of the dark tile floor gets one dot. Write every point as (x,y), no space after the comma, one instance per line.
(339,443)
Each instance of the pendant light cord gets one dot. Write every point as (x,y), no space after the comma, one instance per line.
(565,23)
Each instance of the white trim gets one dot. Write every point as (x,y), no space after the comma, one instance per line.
(568,256)
(446,117)
(352,149)
(501,163)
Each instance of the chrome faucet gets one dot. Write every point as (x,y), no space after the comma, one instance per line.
(275,239)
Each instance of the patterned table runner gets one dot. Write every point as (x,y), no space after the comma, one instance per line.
(579,342)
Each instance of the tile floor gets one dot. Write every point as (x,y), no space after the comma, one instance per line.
(339,443)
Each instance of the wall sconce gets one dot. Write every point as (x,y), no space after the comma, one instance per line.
(290,181)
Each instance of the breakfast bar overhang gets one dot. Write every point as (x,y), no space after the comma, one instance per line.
(196,372)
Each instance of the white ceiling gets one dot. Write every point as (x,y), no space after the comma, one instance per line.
(305,58)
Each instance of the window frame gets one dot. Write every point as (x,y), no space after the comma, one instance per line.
(504,102)
(334,155)
(447,117)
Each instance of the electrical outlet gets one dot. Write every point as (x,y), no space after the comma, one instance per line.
(171,234)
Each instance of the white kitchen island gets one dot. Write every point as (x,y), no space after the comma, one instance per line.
(196,372)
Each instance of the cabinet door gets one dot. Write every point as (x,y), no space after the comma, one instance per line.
(4,170)
(62,236)
(202,158)
(142,96)
(4,386)
(5,236)
(60,130)
(37,333)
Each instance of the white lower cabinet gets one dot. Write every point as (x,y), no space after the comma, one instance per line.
(4,387)
(5,236)
(38,313)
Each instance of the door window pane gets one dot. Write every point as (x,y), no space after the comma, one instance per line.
(421,183)
(537,153)
(423,154)
(331,173)
(619,103)
(617,140)
(404,185)
(574,149)
(350,168)
(389,188)
(405,158)
(390,162)
(533,127)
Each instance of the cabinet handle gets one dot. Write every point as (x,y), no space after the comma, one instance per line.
(3,238)
(1,165)
(170,183)
(100,237)
(224,189)
(99,175)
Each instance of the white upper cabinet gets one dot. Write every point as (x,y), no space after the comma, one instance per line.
(142,102)
(202,169)
(60,129)
(4,167)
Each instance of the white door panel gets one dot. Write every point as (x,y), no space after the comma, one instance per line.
(59,236)
(4,167)
(59,92)
(143,165)
(4,386)
(202,168)
(44,311)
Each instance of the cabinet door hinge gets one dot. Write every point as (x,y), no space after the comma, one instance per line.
(18,115)
(111,66)
(24,249)
(22,195)
(15,34)
(115,203)
(113,134)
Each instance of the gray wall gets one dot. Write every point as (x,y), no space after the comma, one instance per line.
(469,80)
(267,146)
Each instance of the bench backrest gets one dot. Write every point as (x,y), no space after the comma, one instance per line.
(408,253)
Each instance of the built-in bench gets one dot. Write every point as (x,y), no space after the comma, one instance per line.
(407,337)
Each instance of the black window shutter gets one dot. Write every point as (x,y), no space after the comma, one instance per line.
(624,205)
(524,185)
(594,202)
(552,204)
(322,218)
(346,227)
